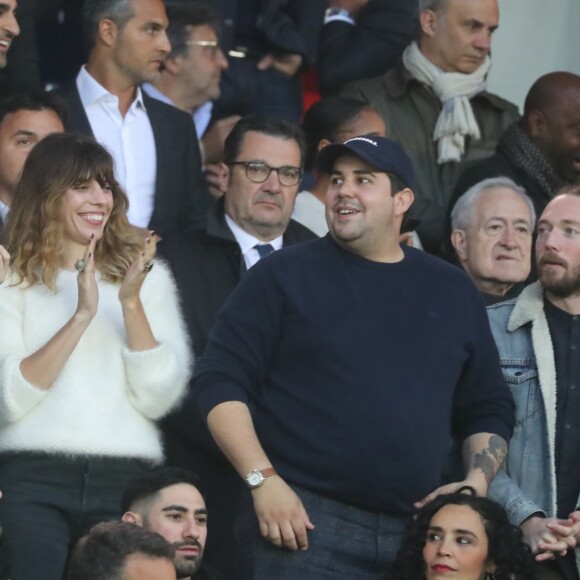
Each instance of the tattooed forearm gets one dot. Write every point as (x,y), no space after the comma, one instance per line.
(489,459)
(498,448)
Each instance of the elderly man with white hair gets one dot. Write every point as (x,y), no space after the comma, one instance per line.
(492,225)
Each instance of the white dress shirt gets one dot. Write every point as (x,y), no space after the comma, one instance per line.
(129,140)
(247,242)
(309,211)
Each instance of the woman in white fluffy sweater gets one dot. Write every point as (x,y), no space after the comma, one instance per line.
(92,352)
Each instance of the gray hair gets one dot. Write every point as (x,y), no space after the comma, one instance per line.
(119,11)
(464,208)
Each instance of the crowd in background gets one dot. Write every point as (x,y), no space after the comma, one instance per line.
(246,250)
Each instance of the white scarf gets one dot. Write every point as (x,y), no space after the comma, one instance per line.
(454,90)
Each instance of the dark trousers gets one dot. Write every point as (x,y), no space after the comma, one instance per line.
(49,502)
(245,90)
(349,543)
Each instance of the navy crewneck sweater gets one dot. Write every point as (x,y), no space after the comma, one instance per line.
(357,372)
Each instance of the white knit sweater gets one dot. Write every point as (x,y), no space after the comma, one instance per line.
(106,398)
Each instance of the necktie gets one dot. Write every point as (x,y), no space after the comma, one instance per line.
(264,249)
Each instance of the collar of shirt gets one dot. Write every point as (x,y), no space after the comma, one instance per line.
(247,242)
(4,209)
(92,92)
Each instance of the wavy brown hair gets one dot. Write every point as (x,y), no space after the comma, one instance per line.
(34,231)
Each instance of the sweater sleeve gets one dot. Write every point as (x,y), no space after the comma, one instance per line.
(17,395)
(348,53)
(242,342)
(483,402)
(157,378)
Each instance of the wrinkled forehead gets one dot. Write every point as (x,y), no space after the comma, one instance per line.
(502,202)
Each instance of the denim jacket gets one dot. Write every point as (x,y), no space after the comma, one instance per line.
(527,484)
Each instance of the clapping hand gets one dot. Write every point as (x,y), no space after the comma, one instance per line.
(131,287)
(88,290)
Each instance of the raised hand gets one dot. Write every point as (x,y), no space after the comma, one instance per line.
(88,299)
(131,287)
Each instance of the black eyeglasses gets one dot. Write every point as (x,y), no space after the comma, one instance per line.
(258,172)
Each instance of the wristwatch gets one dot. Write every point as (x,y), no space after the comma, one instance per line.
(343,12)
(256,478)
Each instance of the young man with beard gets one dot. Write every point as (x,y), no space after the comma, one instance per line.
(538,337)
(167,501)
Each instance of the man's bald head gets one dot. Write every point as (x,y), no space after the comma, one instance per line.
(549,90)
(552,121)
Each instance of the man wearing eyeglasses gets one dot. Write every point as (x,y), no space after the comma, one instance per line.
(190,77)
(260,175)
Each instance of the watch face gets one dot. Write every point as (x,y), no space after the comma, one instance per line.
(255,478)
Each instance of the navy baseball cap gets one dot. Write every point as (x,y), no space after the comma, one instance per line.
(382,153)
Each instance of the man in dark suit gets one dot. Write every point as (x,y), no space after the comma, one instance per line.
(154,145)
(260,175)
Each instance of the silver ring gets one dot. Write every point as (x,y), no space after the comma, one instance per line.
(147,267)
(80,265)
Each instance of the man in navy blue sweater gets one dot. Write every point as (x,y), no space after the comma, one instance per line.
(337,374)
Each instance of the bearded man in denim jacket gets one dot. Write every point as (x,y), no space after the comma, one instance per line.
(538,338)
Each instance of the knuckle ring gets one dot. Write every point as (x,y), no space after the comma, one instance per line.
(147,267)
(80,265)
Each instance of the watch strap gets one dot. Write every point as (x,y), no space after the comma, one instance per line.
(262,473)
(268,472)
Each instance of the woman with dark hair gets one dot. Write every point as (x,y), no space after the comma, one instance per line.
(92,352)
(330,120)
(463,537)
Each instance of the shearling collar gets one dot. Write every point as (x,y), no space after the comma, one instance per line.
(529,305)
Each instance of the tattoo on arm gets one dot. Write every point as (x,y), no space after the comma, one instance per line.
(490,459)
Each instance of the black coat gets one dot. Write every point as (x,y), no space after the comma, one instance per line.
(348,53)
(181,195)
(207,264)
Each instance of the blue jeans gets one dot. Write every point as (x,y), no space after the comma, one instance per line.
(349,543)
(49,502)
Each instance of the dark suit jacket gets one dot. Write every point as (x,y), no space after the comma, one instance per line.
(207,264)
(349,53)
(181,195)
